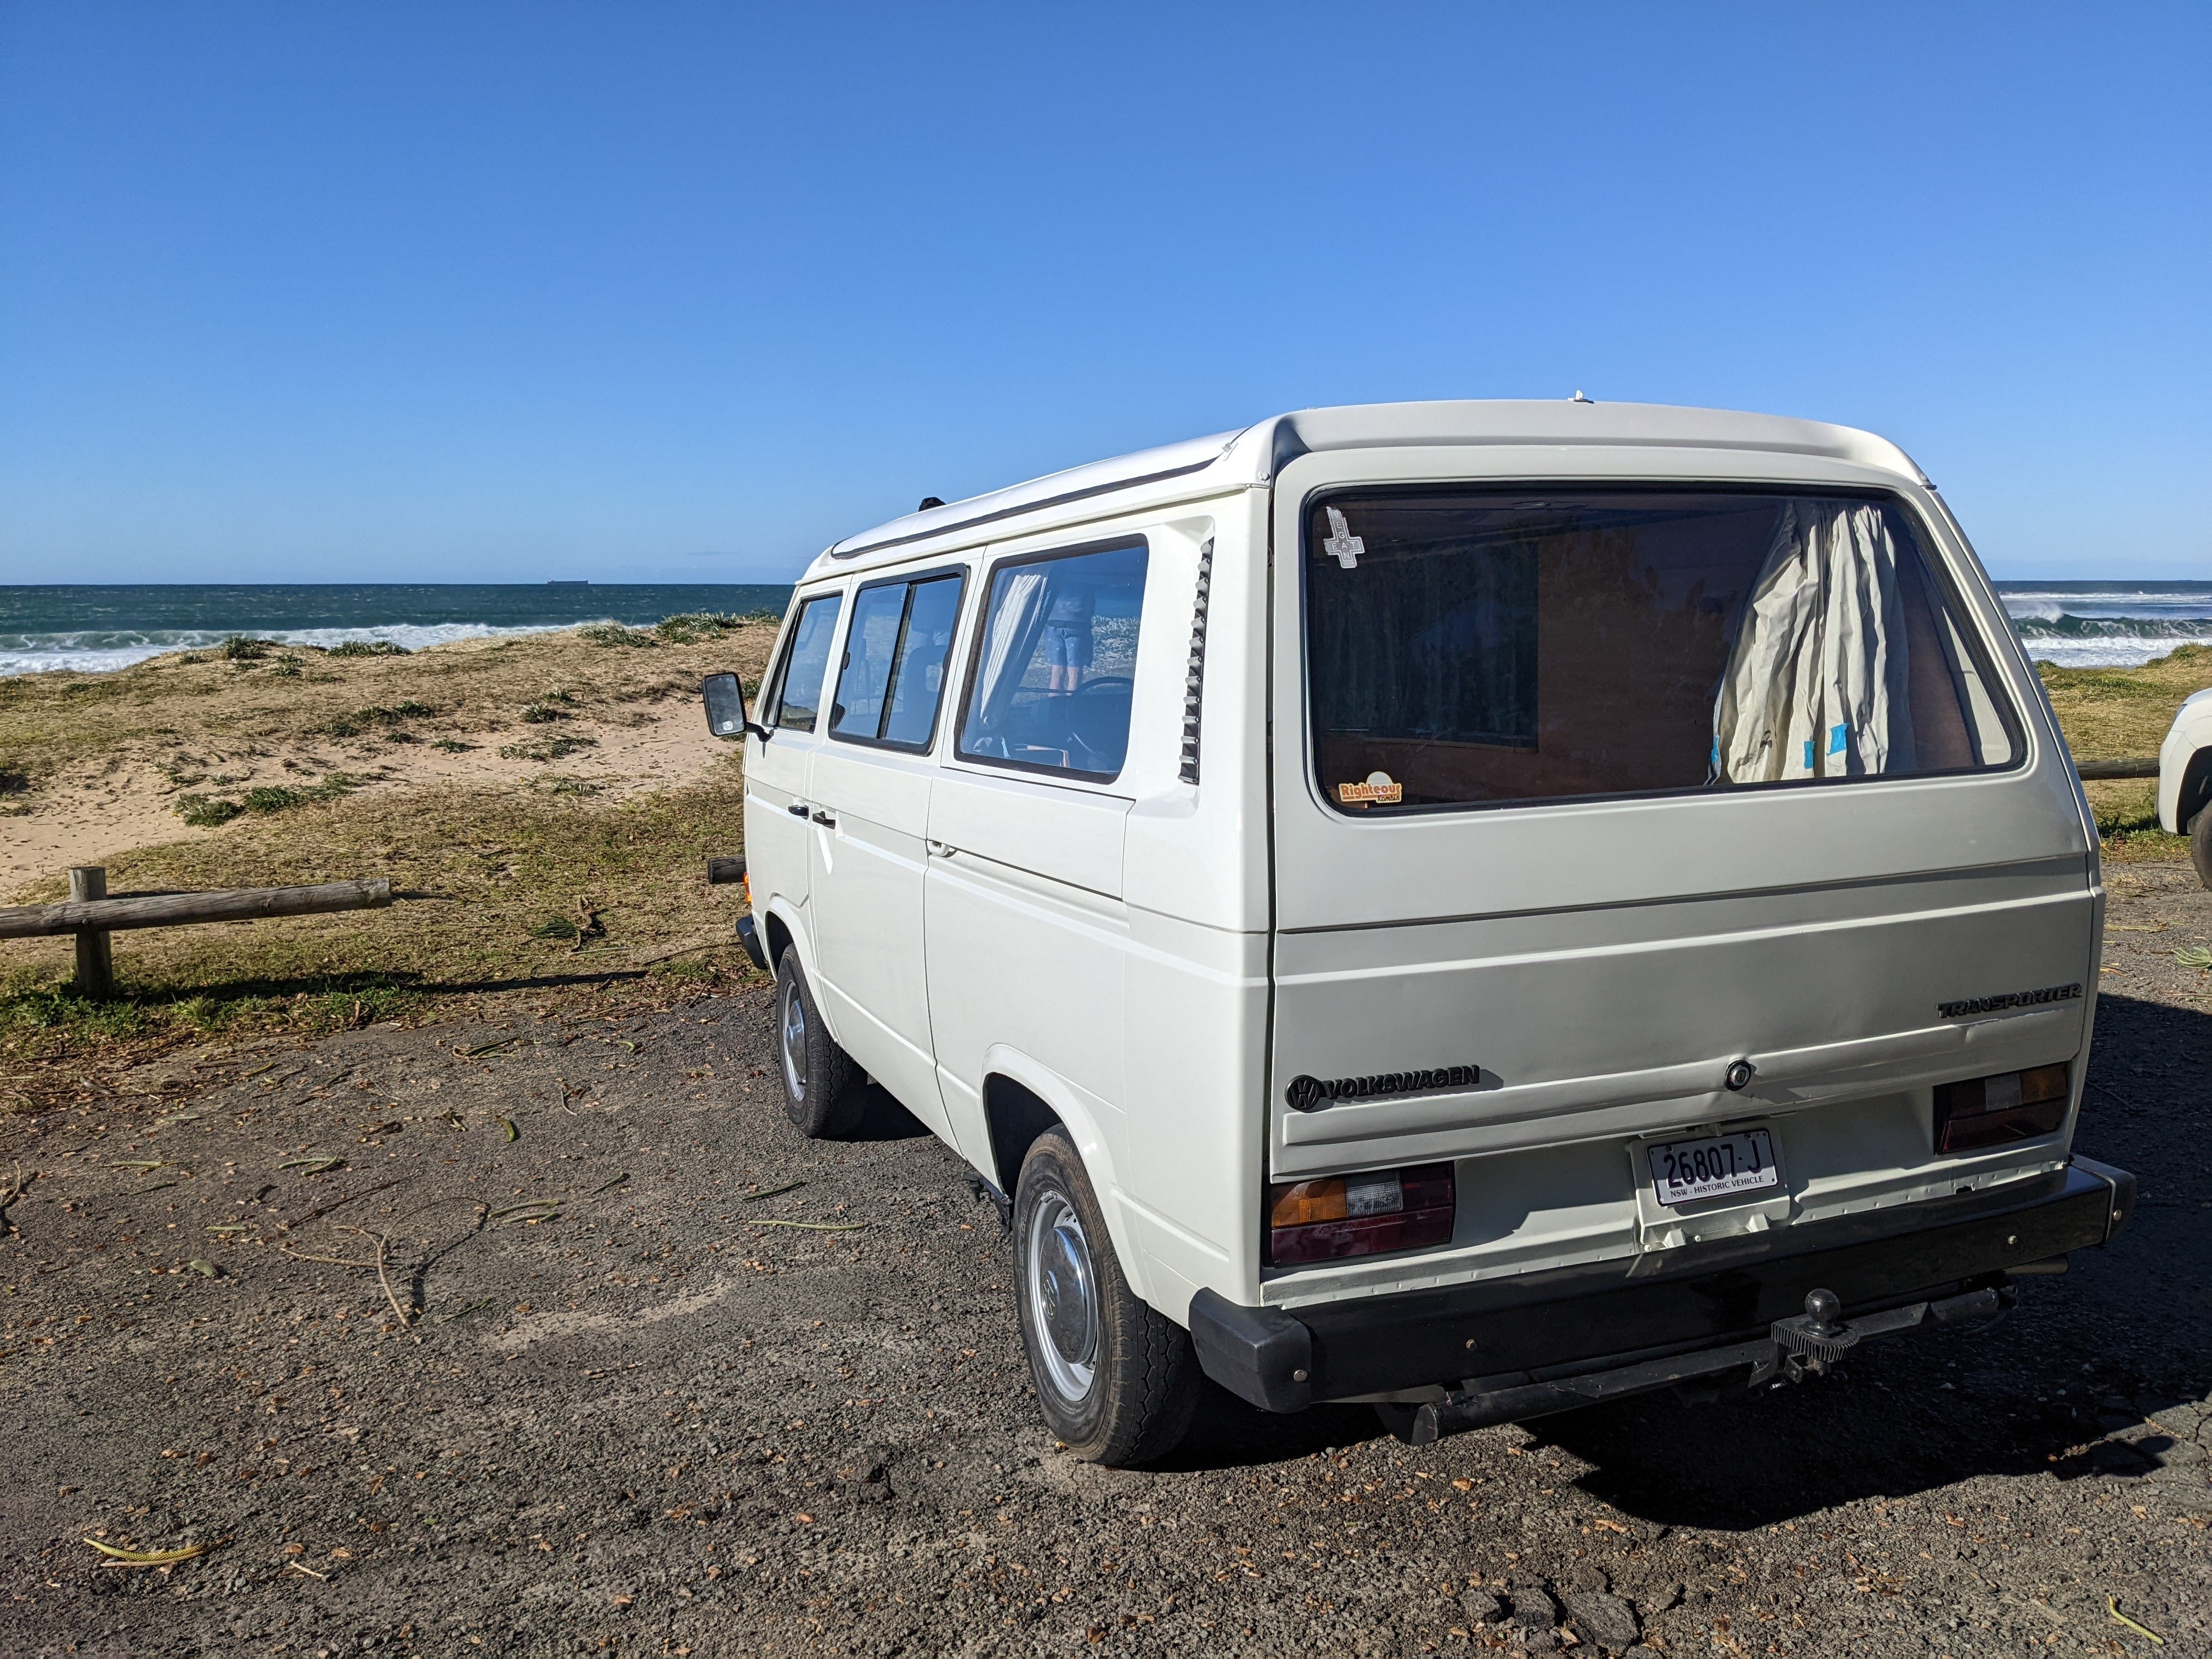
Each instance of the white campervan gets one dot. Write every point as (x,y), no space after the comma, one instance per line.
(1471,907)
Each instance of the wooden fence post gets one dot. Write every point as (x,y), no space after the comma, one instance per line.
(95,961)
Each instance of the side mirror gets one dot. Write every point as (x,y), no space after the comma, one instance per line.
(725,698)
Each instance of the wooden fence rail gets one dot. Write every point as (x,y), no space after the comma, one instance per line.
(2119,768)
(92,915)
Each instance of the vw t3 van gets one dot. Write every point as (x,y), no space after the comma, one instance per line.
(1477,907)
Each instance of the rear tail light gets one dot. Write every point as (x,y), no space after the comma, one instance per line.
(1360,1215)
(1993,1111)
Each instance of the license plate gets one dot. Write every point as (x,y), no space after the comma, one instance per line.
(1685,1171)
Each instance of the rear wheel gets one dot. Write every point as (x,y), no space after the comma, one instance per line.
(1116,1379)
(2200,844)
(821,1091)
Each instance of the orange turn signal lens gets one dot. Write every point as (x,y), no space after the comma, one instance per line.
(1306,1202)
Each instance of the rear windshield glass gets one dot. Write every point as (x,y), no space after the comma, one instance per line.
(1470,648)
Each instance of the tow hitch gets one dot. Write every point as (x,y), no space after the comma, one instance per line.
(1808,1345)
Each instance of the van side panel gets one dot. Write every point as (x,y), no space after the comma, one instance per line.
(866,901)
(1198,891)
(1029,938)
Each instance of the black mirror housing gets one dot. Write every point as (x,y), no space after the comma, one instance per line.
(724,695)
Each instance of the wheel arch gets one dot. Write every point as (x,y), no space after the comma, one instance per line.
(1022,1099)
(777,935)
(2194,793)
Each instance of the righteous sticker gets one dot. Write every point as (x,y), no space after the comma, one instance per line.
(1380,789)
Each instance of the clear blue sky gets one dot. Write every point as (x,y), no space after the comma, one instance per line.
(360,292)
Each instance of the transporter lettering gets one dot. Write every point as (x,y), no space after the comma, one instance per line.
(1311,1094)
(2009,1000)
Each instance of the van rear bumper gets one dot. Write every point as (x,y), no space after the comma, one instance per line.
(1698,1297)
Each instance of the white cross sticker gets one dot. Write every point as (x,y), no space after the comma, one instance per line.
(1344,546)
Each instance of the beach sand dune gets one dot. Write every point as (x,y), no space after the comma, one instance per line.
(103,764)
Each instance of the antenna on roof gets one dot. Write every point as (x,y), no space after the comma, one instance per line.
(1579,399)
(928,501)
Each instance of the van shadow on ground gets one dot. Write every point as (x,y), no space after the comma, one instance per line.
(2129,1331)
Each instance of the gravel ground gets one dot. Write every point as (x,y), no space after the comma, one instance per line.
(633,1419)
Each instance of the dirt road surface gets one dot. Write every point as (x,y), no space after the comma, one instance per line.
(632,1418)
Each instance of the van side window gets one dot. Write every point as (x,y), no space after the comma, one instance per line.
(893,673)
(798,685)
(1470,648)
(1055,659)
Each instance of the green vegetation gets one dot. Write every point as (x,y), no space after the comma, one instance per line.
(546,748)
(611,635)
(368,648)
(548,783)
(693,628)
(210,812)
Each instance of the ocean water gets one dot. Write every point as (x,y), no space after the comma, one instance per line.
(2107,624)
(2076,624)
(94,629)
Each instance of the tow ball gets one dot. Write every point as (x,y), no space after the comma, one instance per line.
(1808,1345)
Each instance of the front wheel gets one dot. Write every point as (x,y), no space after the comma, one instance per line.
(2200,844)
(1117,1380)
(821,1094)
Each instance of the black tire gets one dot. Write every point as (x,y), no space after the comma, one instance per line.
(2200,844)
(821,1085)
(1117,1380)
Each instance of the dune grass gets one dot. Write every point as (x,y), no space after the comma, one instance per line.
(195,713)
(508,896)
(2119,714)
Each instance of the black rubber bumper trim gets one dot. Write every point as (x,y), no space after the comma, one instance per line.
(1258,1354)
(1695,1294)
(749,936)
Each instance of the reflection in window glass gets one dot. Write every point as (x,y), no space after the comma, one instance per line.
(798,693)
(918,680)
(894,662)
(869,645)
(1478,646)
(1055,660)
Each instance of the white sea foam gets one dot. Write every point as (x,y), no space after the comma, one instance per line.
(102,651)
(2108,650)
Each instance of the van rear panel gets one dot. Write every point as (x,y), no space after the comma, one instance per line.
(1588,790)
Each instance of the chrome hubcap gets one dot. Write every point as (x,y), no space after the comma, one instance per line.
(794,1041)
(1062,1296)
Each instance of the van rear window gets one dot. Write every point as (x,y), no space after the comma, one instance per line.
(1479,647)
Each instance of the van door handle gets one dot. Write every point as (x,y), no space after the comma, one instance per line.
(797,809)
(937,849)
(824,819)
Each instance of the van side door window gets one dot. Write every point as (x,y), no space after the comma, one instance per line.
(892,673)
(796,697)
(1049,685)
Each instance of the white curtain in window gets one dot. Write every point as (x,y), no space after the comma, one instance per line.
(1017,608)
(1815,686)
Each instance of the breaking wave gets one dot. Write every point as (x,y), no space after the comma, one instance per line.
(94,651)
